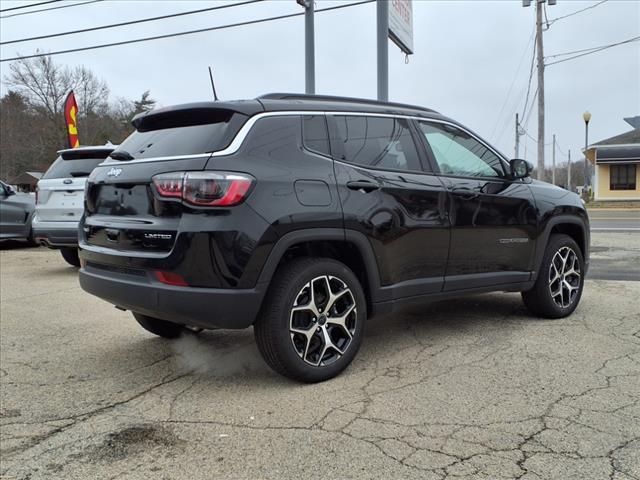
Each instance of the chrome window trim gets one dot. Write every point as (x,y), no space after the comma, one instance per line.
(153,159)
(242,134)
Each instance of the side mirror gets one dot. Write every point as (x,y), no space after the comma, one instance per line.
(520,168)
(9,190)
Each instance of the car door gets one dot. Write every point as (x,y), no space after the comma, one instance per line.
(387,196)
(13,211)
(493,217)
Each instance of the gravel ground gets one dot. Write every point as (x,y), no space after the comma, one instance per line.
(472,389)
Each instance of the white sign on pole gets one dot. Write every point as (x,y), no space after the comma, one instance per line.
(401,24)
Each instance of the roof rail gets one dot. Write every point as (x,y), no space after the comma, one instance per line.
(332,98)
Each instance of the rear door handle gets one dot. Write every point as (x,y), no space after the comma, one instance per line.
(466,193)
(363,185)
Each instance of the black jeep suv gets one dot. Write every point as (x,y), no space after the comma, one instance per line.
(305,215)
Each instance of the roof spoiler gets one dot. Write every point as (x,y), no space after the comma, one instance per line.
(82,153)
(191,114)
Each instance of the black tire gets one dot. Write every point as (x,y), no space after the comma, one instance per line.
(162,328)
(539,300)
(291,353)
(70,255)
(31,241)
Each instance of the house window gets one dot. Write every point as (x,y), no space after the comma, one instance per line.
(622,177)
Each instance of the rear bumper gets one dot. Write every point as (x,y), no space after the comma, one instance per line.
(200,307)
(55,234)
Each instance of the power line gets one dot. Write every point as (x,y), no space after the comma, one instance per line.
(28,6)
(553,20)
(560,150)
(590,51)
(592,48)
(132,22)
(518,96)
(570,53)
(535,139)
(515,77)
(51,8)
(178,34)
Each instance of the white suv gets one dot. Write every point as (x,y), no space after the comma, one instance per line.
(60,199)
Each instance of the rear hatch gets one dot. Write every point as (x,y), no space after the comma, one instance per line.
(124,211)
(60,195)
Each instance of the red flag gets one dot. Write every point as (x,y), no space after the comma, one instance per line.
(70,114)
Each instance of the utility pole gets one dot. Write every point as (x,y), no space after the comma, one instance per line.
(553,161)
(540,52)
(382,17)
(586,116)
(569,171)
(309,47)
(517,152)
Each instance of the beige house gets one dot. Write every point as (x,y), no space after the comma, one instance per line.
(617,165)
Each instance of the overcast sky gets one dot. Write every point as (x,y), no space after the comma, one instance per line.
(467,55)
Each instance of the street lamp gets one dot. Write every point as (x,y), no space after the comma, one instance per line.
(586,116)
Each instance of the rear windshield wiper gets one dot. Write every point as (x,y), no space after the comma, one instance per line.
(121,155)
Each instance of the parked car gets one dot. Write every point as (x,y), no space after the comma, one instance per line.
(305,215)
(60,199)
(16,211)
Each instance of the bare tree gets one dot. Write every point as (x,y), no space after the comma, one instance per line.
(92,94)
(32,121)
(45,86)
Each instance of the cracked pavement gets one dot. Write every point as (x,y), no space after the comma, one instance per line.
(471,389)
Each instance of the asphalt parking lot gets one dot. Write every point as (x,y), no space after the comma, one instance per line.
(472,389)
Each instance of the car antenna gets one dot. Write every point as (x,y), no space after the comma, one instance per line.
(213,87)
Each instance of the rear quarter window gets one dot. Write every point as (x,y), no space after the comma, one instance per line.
(71,168)
(315,136)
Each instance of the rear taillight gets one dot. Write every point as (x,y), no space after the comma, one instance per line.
(205,189)
(169,184)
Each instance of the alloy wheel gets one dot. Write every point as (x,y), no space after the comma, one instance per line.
(322,321)
(564,277)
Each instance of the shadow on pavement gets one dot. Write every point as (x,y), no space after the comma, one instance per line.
(232,355)
(17,244)
(62,269)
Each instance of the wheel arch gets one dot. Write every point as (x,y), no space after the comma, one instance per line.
(570,225)
(349,247)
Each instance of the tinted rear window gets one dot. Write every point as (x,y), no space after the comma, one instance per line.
(314,134)
(182,140)
(380,142)
(72,168)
